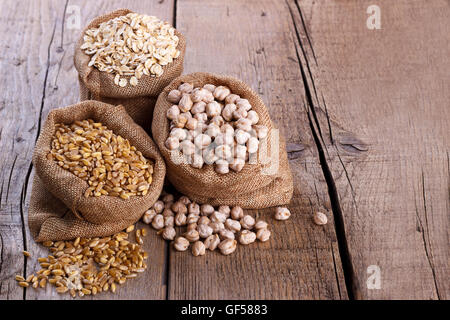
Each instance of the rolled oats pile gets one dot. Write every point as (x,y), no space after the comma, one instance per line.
(203,227)
(213,126)
(109,164)
(87,266)
(131,46)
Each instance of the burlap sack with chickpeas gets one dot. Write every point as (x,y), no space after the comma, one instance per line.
(139,100)
(264,184)
(58,208)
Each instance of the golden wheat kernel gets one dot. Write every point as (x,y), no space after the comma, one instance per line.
(26,254)
(24,284)
(43,283)
(20,278)
(62,289)
(48,243)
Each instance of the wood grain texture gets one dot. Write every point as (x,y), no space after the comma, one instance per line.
(365,114)
(39,51)
(382,101)
(301,261)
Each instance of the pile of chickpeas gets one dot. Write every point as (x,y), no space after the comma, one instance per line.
(203,227)
(211,125)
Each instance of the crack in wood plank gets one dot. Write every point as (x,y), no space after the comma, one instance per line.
(9,179)
(427,244)
(335,270)
(353,290)
(45,81)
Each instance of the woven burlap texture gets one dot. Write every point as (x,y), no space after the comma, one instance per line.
(139,101)
(58,209)
(250,188)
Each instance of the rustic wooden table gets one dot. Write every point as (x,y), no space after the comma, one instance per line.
(366,114)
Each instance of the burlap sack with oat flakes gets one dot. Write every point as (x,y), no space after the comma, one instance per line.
(140,100)
(265,184)
(58,209)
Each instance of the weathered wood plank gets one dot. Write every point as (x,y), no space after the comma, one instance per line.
(255,44)
(25,33)
(388,88)
(39,50)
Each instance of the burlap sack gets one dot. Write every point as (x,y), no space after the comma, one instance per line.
(139,101)
(58,209)
(255,186)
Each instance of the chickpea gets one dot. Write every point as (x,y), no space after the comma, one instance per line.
(174,96)
(246,237)
(221,92)
(173,112)
(198,249)
(186,87)
(181,244)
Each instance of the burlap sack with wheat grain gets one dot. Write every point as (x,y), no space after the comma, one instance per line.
(140,100)
(58,209)
(264,184)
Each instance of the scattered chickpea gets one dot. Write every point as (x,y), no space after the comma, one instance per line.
(247,237)
(180,219)
(225,210)
(181,244)
(260,224)
(168,198)
(169,221)
(192,226)
(204,230)
(192,218)
(212,242)
(206,209)
(204,220)
(226,234)
(194,208)
(263,235)
(169,233)
(158,206)
(233,225)
(247,222)
(218,217)
(158,222)
(237,213)
(198,249)
(216,226)
(179,207)
(282,213)
(320,218)
(227,246)
(148,216)
(167,212)
(192,235)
